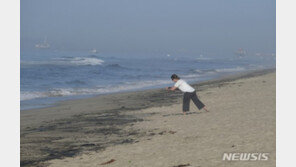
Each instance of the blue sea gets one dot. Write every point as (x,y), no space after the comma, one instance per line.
(48,76)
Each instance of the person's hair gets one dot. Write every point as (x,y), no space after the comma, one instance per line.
(175,76)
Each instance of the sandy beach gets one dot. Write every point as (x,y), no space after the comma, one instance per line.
(147,128)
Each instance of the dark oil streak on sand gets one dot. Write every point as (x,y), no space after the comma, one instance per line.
(96,130)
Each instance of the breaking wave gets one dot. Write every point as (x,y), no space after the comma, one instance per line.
(67,61)
(59,92)
(235,69)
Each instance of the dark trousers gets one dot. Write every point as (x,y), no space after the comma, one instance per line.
(186,101)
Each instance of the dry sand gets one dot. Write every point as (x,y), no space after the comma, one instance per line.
(113,130)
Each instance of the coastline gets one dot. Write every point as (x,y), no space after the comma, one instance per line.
(103,98)
(53,101)
(59,131)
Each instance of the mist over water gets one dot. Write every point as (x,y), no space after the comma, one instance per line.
(137,44)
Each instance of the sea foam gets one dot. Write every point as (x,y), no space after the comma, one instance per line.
(58,92)
(67,61)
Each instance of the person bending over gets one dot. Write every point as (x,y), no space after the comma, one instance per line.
(189,93)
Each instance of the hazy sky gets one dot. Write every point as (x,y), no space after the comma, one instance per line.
(217,27)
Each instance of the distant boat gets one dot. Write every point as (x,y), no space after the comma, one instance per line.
(44,45)
(94,51)
(202,57)
(241,53)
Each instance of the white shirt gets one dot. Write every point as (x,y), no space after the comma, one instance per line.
(184,86)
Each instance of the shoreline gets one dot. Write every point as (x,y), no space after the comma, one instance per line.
(60,105)
(66,103)
(59,131)
(56,102)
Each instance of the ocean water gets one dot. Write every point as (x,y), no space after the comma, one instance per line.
(48,76)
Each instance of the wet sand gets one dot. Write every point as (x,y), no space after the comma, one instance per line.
(146,128)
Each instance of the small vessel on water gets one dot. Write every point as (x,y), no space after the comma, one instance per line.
(43,45)
(203,57)
(94,51)
(241,53)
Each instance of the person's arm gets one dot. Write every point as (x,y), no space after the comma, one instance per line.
(171,88)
